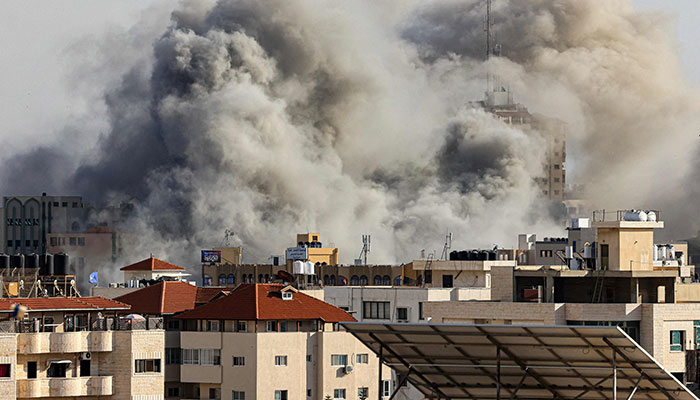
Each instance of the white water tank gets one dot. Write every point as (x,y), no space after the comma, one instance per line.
(308,268)
(569,252)
(298,268)
(655,251)
(587,251)
(651,216)
(635,215)
(663,252)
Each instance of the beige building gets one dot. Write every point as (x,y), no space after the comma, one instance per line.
(78,348)
(267,341)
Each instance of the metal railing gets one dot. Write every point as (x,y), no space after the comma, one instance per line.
(98,325)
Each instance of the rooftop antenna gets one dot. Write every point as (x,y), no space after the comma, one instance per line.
(487,28)
(448,245)
(366,241)
(228,234)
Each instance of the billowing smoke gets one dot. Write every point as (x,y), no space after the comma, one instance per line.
(277,117)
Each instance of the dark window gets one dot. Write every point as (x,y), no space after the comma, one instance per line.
(556,166)
(75,204)
(363,280)
(428,276)
(84,367)
(604,260)
(420,310)
(64,204)
(376,310)
(231,279)
(377,280)
(213,393)
(386,280)
(55,204)
(173,392)
(72,241)
(280,395)
(5,371)
(18,243)
(81,241)
(222,279)
(28,243)
(145,366)
(9,243)
(36,243)
(173,356)
(206,281)
(402,314)
(354,280)
(31,369)
(447,281)
(57,370)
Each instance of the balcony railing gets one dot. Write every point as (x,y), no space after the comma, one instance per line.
(98,325)
(65,387)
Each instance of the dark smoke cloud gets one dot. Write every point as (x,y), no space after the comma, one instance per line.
(272,118)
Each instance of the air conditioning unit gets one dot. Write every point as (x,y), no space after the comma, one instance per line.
(85,355)
(348,369)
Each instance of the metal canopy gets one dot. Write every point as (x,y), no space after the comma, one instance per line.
(525,362)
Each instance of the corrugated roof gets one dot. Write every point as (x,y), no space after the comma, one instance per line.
(168,297)
(64,303)
(151,264)
(251,301)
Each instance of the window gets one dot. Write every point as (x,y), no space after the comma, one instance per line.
(280,395)
(420,310)
(173,325)
(402,313)
(57,369)
(339,360)
(677,340)
(173,392)
(222,279)
(238,361)
(308,358)
(209,357)
(363,392)
(53,241)
(272,326)
(62,241)
(287,295)
(190,356)
(84,367)
(280,361)
(6,371)
(354,280)
(214,393)
(242,326)
(556,179)
(283,326)
(212,326)
(338,393)
(231,279)
(238,395)
(146,366)
(363,280)
(428,276)
(28,243)
(81,241)
(9,243)
(386,388)
(31,370)
(207,281)
(55,204)
(173,356)
(386,280)
(308,392)
(375,310)
(362,358)
(556,166)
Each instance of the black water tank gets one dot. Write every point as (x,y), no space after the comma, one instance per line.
(474,255)
(484,255)
(454,255)
(493,255)
(4,261)
(60,264)
(319,244)
(300,244)
(31,261)
(46,264)
(17,261)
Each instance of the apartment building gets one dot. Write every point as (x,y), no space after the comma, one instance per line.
(78,348)
(269,341)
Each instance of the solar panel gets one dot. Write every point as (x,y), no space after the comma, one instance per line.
(519,362)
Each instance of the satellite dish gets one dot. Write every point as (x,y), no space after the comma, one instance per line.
(285,276)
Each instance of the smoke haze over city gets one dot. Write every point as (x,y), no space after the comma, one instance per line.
(272,118)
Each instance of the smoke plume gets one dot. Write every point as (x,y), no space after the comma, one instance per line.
(346,118)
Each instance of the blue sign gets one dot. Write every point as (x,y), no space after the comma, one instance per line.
(211,256)
(93,277)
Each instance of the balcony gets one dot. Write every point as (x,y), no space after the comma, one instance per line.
(64,342)
(65,387)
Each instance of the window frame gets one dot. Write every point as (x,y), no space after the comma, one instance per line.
(281,360)
(339,360)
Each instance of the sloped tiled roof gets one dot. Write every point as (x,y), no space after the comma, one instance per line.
(251,301)
(152,264)
(168,297)
(64,303)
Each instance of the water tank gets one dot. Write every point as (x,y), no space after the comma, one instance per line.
(60,264)
(46,264)
(474,255)
(569,252)
(298,267)
(484,255)
(319,244)
(671,252)
(31,261)
(309,268)
(655,251)
(462,255)
(307,244)
(663,252)
(17,261)
(454,255)
(651,216)
(635,215)
(4,261)
(493,255)
(300,244)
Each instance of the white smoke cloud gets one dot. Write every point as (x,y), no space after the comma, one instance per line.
(350,118)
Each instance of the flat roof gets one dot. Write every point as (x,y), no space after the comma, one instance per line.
(519,361)
(588,273)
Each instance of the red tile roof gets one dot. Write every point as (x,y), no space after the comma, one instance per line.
(251,301)
(64,303)
(151,264)
(168,297)
(101,229)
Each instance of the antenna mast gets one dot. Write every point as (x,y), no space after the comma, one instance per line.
(366,241)
(487,28)
(447,247)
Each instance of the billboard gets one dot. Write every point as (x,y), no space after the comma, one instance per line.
(211,256)
(297,253)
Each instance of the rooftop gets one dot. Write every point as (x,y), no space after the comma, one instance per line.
(152,264)
(169,297)
(63,304)
(251,301)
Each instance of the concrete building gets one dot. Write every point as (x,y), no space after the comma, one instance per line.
(268,341)
(78,348)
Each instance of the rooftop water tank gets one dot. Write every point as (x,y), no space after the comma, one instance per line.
(635,215)
(4,261)
(651,216)
(31,261)
(298,267)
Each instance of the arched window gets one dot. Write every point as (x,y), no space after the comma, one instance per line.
(386,280)
(397,281)
(363,280)
(222,280)
(267,278)
(207,280)
(342,281)
(250,278)
(231,280)
(326,280)
(332,280)
(377,280)
(354,280)
(260,278)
